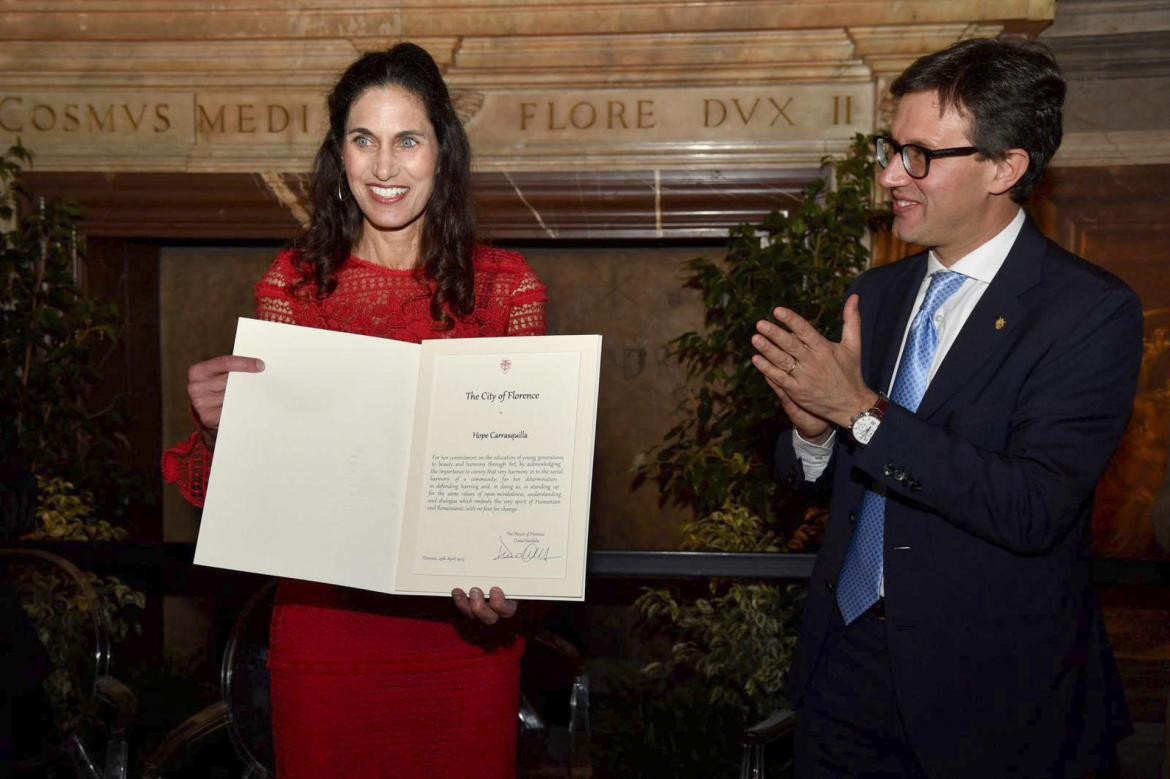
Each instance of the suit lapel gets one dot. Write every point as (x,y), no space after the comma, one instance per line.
(987,329)
(884,334)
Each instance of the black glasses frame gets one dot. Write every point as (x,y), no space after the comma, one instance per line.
(927,154)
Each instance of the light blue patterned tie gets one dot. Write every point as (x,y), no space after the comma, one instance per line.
(861,576)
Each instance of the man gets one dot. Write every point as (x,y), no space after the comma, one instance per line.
(950,628)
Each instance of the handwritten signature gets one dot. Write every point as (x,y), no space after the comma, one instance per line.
(526,553)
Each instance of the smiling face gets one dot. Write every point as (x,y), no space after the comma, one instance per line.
(390,154)
(962,202)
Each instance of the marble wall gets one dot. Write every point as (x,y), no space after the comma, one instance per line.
(624,125)
(1108,199)
(614,140)
(633,297)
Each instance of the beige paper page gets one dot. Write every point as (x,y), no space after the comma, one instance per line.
(312,456)
(502,466)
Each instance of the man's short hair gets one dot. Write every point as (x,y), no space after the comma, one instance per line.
(1010,91)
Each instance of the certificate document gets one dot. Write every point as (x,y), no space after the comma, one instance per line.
(406,468)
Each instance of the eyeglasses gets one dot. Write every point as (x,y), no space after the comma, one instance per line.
(916,159)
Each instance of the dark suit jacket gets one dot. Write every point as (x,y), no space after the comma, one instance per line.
(1000,661)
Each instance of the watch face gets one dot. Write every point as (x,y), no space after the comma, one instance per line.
(864,427)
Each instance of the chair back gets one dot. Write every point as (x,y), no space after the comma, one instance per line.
(87,711)
(245,685)
(243,709)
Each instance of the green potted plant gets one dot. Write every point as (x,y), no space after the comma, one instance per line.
(54,341)
(735,639)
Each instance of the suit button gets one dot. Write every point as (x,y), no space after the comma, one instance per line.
(888,470)
(831,587)
(852,518)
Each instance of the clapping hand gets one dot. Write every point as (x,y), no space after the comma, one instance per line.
(818,381)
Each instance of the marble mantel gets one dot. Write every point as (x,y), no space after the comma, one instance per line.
(224,87)
(612,119)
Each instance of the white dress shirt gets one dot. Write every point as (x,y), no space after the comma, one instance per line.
(980,267)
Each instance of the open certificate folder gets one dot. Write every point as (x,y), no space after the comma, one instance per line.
(406,468)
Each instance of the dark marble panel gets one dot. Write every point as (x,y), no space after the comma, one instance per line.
(209,206)
(635,299)
(202,291)
(126,273)
(1119,218)
(616,205)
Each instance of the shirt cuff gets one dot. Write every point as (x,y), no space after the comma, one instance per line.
(814,458)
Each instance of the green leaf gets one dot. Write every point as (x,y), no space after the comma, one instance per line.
(739,637)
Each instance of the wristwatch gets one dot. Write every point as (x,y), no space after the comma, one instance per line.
(865,424)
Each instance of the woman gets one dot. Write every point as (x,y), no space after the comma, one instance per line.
(366,684)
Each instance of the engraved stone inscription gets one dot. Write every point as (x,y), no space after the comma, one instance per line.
(250,130)
(187,117)
(842,109)
(251,118)
(715,111)
(587,114)
(801,110)
(79,115)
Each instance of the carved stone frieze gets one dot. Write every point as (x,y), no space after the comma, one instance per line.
(634,85)
(165,20)
(1116,57)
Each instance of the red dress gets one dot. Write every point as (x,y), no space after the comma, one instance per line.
(369,685)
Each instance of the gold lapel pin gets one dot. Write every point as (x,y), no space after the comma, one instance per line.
(1000,323)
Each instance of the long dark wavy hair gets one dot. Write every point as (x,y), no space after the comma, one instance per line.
(448,227)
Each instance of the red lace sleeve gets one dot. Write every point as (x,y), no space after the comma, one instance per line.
(188,464)
(274,301)
(526,305)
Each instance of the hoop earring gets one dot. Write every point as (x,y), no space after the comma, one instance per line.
(340,197)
